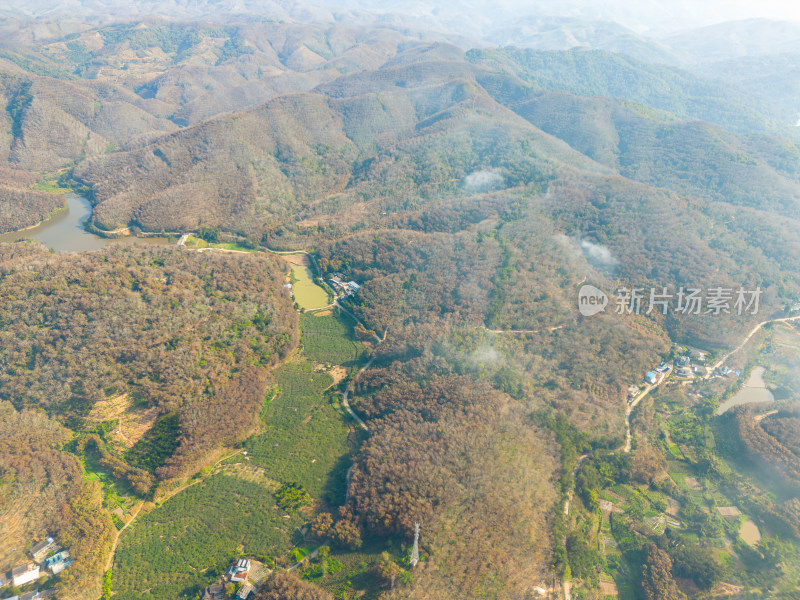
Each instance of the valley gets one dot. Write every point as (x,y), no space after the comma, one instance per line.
(279,296)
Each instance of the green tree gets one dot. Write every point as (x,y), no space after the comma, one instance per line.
(386,570)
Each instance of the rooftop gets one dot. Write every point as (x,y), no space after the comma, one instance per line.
(21,569)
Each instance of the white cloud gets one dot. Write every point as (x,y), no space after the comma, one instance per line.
(597,254)
(483,181)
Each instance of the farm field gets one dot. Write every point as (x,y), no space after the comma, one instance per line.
(329,339)
(168,553)
(307,294)
(305,440)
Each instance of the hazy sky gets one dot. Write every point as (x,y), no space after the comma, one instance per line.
(771,9)
(641,15)
(471,16)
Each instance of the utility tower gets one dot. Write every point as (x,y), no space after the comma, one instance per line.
(415,549)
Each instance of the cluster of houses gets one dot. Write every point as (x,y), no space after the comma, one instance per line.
(684,366)
(237,573)
(46,555)
(346,288)
(653,377)
(658,374)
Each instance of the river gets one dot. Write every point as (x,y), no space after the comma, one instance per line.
(64,231)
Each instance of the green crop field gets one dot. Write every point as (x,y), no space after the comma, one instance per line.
(171,552)
(307,294)
(306,438)
(329,339)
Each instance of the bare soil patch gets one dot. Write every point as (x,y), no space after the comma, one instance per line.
(692,483)
(133,422)
(729,511)
(295,259)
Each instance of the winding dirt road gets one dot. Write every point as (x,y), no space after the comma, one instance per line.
(709,372)
(110,561)
(755,329)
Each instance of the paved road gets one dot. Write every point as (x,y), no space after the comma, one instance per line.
(309,556)
(346,404)
(347,392)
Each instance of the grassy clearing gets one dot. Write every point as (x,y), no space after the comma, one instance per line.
(171,552)
(235,246)
(305,439)
(307,294)
(329,339)
(52,184)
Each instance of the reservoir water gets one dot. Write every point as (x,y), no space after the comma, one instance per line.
(754,391)
(64,231)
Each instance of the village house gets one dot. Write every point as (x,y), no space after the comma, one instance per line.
(345,287)
(58,562)
(240,571)
(216,591)
(42,549)
(245,592)
(24,574)
(697,354)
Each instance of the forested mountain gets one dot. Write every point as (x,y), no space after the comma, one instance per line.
(674,90)
(428,129)
(184,340)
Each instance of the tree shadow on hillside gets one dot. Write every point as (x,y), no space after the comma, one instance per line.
(335,488)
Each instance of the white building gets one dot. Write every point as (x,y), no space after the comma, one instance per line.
(42,549)
(25,574)
(58,562)
(240,571)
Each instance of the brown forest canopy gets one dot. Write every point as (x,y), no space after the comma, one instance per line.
(43,493)
(189,333)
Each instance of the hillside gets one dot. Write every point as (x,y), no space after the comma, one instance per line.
(689,158)
(375,146)
(598,73)
(119,328)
